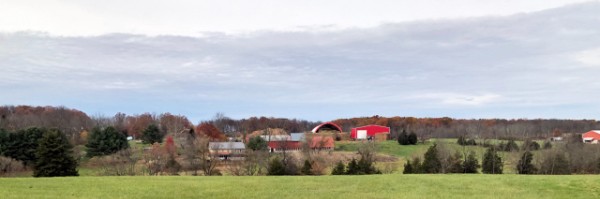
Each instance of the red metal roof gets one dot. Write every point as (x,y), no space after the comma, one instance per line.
(285,144)
(327,124)
(595,135)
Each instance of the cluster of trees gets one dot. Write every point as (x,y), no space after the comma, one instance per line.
(435,161)
(479,128)
(47,151)
(407,139)
(364,166)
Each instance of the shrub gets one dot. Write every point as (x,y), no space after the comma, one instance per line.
(339,169)
(306,168)
(408,168)
(9,166)
(276,167)
(412,138)
(403,138)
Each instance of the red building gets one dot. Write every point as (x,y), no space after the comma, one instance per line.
(591,137)
(368,132)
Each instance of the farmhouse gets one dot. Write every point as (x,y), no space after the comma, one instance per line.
(370,132)
(591,137)
(227,150)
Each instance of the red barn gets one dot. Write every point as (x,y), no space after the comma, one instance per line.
(369,131)
(591,137)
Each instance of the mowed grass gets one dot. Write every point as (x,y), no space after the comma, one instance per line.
(347,187)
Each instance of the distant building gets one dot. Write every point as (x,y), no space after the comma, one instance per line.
(370,132)
(228,150)
(269,138)
(327,126)
(299,141)
(591,137)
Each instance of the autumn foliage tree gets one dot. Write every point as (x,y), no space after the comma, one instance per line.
(210,131)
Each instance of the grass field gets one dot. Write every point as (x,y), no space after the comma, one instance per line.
(347,187)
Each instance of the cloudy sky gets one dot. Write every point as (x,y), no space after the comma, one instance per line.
(315,60)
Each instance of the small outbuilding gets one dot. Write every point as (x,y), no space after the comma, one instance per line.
(369,132)
(592,136)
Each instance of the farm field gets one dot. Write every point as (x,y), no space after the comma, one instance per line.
(374,186)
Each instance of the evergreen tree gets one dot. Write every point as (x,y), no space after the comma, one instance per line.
(257,144)
(417,166)
(105,141)
(412,138)
(530,145)
(408,168)
(352,167)
(339,169)
(54,156)
(431,162)
(3,141)
(366,167)
(152,135)
(276,167)
(524,166)
(306,168)
(403,138)
(492,163)
(471,163)
(23,144)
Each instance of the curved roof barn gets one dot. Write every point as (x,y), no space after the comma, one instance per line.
(327,126)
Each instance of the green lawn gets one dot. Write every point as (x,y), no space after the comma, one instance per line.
(389,147)
(347,187)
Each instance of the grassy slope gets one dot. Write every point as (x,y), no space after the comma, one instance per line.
(375,186)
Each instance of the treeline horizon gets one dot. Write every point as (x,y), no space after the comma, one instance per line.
(72,122)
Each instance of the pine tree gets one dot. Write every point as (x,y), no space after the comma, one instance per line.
(408,168)
(471,163)
(431,163)
(412,138)
(306,168)
(54,156)
(152,135)
(352,167)
(105,141)
(524,166)
(492,163)
(339,169)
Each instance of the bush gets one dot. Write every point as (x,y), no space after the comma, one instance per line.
(408,168)
(276,167)
(412,138)
(403,138)
(555,164)
(9,166)
(547,145)
(339,169)
(105,141)
(306,168)
(352,167)
(54,156)
(530,145)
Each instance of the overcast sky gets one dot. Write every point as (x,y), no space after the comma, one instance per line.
(315,60)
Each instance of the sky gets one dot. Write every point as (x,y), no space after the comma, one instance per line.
(314,60)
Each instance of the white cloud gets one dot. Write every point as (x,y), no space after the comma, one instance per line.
(480,65)
(589,57)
